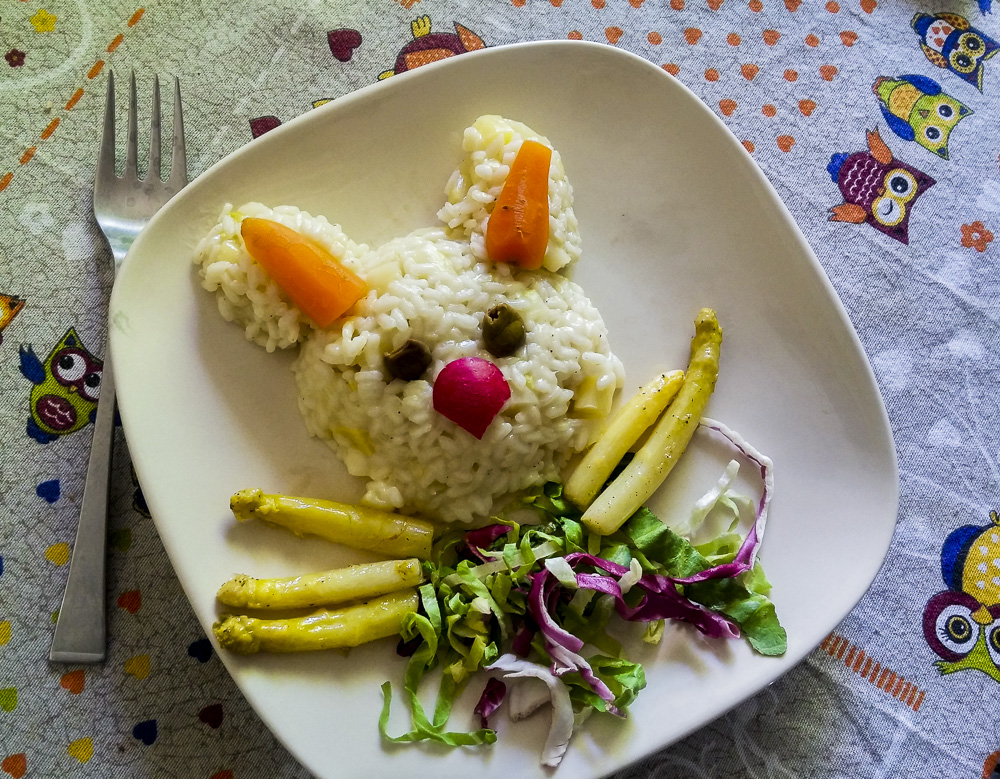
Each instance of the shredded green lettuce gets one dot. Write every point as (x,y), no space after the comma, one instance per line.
(743,599)
(623,677)
(428,627)
(471,612)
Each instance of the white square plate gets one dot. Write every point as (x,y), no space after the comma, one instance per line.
(674,215)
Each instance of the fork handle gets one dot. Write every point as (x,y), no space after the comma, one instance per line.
(80,634)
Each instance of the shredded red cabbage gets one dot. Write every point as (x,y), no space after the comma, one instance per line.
(660,599)
(748,549)
(521,644)
(563,647)
(493,696)
(481,538)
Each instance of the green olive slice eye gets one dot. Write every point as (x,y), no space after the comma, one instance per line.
(409,361)
(503,330)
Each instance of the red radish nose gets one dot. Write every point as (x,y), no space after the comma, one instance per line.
(470,391)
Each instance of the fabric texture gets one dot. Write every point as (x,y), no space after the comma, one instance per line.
(890,693)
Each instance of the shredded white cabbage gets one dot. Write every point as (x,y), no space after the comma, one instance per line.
(561,729)
(563,571)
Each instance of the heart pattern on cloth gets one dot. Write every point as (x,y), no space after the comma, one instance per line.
(4,632)
(73,681)
(211,715)
(15,765)
(828,72)
(343,42)
(868,6)
(807,107)
(120,539)
(793,5)
(146,731)
(82,749)
(226,774)
(771,37)
(727,107)
(138,666)
(200,650)
(8,698)
(57,554)
(749,71)
(49,491)
(614,34)
(263,124)
(131,601)
(692,35)
(785,142)
(848,38)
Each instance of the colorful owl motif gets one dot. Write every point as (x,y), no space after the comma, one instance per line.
(877,188)
(10,306)
(962,623)
(427,47)
(950,42)
(916,109)
(66,388)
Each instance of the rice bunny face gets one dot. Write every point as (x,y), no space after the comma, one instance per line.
(455,380)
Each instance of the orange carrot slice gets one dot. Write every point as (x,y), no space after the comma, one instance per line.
(312,277)
(518,230)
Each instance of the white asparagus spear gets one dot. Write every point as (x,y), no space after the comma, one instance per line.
(355,582)
(625,429)
(668,440)
(359,527)
(326,629)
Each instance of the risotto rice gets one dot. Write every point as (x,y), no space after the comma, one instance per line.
(434,286)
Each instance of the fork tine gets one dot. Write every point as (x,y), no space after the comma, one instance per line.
(132,145)
(106,156)
(178,161)
(154,133)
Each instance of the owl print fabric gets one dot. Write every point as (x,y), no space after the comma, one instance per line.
(877,188)
(880,187)
(875,121)
(66,388)
(916,109)
(950,42)
(962,623)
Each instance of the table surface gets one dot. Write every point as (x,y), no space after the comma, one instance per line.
(799,82)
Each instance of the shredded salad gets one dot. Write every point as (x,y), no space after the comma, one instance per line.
(534,601)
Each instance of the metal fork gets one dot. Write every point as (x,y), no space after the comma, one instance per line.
(122,205)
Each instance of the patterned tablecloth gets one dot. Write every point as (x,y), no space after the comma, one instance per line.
(895,690)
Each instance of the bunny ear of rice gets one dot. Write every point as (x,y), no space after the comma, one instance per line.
(491,144)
